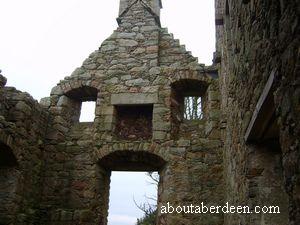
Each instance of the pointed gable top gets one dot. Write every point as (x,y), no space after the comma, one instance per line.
(152,6)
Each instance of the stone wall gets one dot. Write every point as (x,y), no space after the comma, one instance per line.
(256,39)
(245,150)
(23,124)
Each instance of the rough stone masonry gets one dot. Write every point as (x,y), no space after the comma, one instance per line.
(55,170)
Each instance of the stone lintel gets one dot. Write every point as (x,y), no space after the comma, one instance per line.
(134,98)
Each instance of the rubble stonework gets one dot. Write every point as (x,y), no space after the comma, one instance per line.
(23,124)
(257,51)
(57,169)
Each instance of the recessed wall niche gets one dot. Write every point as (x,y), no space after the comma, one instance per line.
(134,122)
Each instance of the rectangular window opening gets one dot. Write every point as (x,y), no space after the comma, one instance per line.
(132,196)
(87,113)
(193,108)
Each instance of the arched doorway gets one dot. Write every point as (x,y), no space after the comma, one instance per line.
(8,184)
(130,161)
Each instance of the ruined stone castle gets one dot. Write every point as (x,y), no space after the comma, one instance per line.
(244,150)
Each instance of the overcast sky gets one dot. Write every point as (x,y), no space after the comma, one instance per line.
(42,41)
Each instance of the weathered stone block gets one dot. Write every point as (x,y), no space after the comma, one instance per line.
(126,77)
(23,107)
(64,101)
(178,151)
(134,98)
(107,48)
(154,71)
(162,126)
(126,35)
(149,29)
(128,43)
(159,135)
(113,80)
(57,90)
(46,102)
(184,143)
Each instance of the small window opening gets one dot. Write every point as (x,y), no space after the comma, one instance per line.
(134,122)
(187,104)
(193,108)
(87,113)
(133,198)
(80,104)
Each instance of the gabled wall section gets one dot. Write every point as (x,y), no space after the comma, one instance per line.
(136,66)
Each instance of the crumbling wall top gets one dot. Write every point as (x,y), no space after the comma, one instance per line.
(3,80)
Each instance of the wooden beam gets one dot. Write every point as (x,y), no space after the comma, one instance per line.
(263,112)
